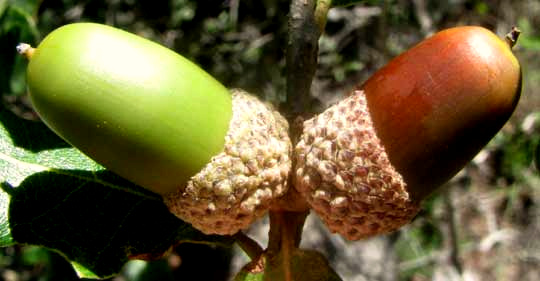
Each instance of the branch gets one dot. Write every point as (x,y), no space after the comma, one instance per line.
(284,238)
(321,12)
(248,245)
(451,232)
(302,52)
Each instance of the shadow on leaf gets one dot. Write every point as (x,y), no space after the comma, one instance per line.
(30,135)
(97,220)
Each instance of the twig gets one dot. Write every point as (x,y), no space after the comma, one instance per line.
(451,232)
(248,245)
(233,12)
(321,12)
(284,237)
(302,52)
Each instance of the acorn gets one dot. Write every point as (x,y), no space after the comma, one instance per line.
(365,164)
(217,157)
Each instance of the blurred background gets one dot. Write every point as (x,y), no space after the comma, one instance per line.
(484,225)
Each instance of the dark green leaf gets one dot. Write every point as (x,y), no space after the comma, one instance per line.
(54,196)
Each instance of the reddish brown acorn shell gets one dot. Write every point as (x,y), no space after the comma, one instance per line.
(436,105)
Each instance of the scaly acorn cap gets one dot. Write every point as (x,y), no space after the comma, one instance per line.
(238,184)
(344,173)
(365,164)
(158,120)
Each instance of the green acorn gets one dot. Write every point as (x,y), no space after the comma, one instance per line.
(217,157)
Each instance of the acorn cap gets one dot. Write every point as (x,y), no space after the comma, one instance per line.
(344,173)
(238,185)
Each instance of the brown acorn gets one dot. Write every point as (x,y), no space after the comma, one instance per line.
(365,164)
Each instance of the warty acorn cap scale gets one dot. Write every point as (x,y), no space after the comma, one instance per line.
(346,176)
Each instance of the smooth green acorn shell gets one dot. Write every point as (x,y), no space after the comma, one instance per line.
(137,108)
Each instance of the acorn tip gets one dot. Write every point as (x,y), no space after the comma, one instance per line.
(512,36)
(25,50)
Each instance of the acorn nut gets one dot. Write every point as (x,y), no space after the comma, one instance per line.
(365,164)
(217,157)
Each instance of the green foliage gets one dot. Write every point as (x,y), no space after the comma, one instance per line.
(528,39)
(242,47)
(16,25)
(481,7)
(3,6)
(32,255)
(182,10)
(518,154)
(515,151)
(53,196)
(415,248)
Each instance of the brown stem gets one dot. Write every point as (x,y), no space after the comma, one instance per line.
(302,51)
(301,58)
(286,229)
(248,245)
(284,238)
(512,36)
